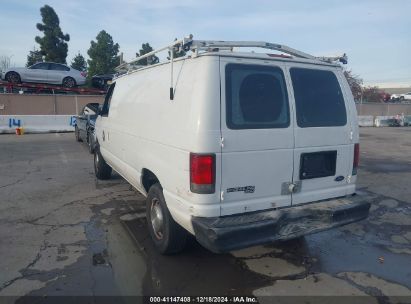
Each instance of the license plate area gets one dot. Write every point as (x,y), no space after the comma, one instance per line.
(317,164)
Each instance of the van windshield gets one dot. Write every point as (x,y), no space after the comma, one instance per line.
(256,97)
(318,98)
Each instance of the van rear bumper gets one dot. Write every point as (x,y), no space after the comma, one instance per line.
(222,234)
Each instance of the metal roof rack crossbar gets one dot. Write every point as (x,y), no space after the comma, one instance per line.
(197,45)
(187,44)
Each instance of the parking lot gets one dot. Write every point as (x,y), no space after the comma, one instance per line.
(62,232)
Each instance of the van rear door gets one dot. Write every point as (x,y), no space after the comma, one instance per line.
(324,146)
(257,136)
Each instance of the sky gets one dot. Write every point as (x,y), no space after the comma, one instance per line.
(375,34)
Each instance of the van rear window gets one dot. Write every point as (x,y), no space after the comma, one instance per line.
(318,98)
(256,97)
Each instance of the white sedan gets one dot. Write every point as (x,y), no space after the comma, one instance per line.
(46,72)
(395,97)
(406,96)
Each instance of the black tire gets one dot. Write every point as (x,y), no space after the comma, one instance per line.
(101,168)
(90,143)
(69,82)
(172,238)
(13,77)
(402,98)
(77,134)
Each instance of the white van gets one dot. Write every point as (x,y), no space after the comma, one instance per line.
(246,149)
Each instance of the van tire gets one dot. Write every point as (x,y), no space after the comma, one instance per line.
(172,238)
(101,168)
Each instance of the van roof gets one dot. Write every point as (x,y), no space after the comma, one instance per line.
(226,48)
(268,56)
(247,55)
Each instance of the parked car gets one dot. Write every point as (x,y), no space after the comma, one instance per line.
(401,97)
(46,72)
(101,81)
(407,121)
(393,122)
(395,97)
(406,96)
(249,148)
(385,96)
(85,122)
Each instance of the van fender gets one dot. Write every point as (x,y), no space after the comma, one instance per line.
(179,211)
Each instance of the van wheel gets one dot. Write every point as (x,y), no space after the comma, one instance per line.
(168,236)
(101,168)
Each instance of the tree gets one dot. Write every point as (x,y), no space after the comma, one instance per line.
(176,54)
(103,55)
(52,44)
(146,48)
(355,83)
(372,94)
(33,57)
(79,63)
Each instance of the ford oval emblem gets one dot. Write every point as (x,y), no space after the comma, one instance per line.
(339,178)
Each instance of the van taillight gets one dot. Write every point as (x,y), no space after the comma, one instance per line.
(356,159)
(202,173)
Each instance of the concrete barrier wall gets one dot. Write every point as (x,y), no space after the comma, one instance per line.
(32,104)
(65,123)
(37,123)
(384,121)
(43,113)
(366,121)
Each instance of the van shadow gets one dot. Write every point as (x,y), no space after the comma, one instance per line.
(193,272)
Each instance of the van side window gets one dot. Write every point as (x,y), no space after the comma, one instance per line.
(107,100)
(318,98)
(256,97)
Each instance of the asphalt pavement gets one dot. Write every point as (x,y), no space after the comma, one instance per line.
(64,233)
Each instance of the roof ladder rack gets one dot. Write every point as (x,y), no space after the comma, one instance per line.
(204,44)
(197,45)
(179,44)
(187,44)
